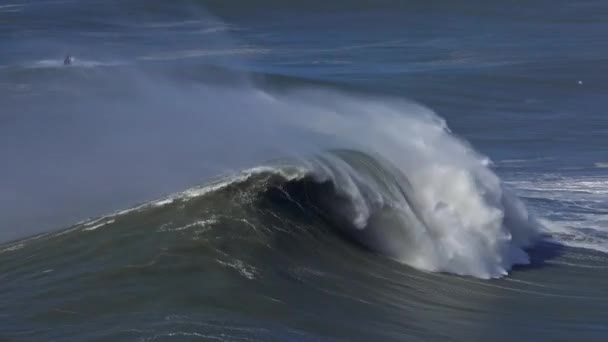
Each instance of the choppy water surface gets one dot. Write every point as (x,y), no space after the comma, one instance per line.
(303,170)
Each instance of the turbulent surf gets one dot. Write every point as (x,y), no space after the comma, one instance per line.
(304,171)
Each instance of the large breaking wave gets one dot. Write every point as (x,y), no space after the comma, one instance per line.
(387,173)
(416,193)
(457,222)
(398,182)
(453,223)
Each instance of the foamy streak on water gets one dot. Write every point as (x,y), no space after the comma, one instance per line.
(583,224)
(11,8)
(581,234)
(76,62)
(198,53)
(98,225)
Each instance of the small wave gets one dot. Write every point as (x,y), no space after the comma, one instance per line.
(58,63)
(171,24)
(193,26)
(585,234)
(11,8)
(216,29)
(184,334)
(556,186)
(522,161)
(198,53)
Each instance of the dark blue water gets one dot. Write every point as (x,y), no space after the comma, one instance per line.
(165,96)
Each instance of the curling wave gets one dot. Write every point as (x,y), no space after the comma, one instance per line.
(414,192)
(395,180)
(460,225)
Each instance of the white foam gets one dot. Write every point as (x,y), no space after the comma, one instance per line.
(519,162)
(244,269)
(583,222)
(578,234)
(216,29)
(76,62)
(11,8)
(163,202)
(197,53)
(189,194)
(242,176)
(193,334)
(98,225)
(201,223)
(556,186)
(12,248)
(470,224)
(171,24)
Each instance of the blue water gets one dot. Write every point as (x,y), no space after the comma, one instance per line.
(165,96)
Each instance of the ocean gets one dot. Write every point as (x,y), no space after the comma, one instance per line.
(297,170)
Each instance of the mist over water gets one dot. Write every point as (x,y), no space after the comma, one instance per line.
(153,128)
(108,131)
(236,171)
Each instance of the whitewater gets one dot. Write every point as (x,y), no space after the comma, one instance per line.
(303,170)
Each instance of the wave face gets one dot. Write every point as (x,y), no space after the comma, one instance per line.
(465,226)
(425,198)
(413,191)
(324,224)
(432,202)
(332,203)
(398,184)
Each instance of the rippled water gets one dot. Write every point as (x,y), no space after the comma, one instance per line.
(395,242)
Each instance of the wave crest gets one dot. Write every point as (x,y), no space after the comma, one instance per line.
(413,191)
(456,223)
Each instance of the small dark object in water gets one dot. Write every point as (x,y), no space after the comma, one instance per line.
(68,60)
